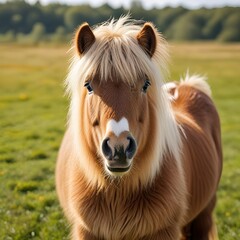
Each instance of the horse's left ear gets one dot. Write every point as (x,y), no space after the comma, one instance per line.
(84,38)
(147,39)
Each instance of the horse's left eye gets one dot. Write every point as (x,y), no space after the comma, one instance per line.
(89,88)
(146,85)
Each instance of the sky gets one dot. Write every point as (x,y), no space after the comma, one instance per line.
(149,3)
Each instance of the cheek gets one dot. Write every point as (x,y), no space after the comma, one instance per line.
(97,112)
(97,117)
(143,110)
(141,126)
(92,110)
(92,126)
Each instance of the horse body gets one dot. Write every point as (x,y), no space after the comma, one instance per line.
(202,155)
(137,165)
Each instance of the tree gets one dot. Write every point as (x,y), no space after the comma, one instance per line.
(38,32)
(75,16)
(216,23)
(231,29)
(167,16)
(18,18)
(52,16)
(187,27)
(60,35)
(7,37)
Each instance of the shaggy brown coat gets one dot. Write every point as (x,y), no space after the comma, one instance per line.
(177,202)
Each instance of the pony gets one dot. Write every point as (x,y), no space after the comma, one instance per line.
(140,158)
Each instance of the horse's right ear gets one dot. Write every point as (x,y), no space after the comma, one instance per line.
(84,38)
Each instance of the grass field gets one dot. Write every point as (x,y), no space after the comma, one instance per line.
(32,121)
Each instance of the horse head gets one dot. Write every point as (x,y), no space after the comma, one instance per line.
(116,90)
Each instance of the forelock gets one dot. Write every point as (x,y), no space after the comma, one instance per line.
(114,55)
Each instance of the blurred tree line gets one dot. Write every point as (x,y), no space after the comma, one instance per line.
(31,23)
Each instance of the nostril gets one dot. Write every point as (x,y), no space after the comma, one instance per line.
(107,151)
(132,147)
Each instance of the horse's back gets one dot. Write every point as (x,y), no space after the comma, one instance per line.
(201,136)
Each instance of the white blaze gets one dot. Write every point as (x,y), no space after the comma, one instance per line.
(117,127)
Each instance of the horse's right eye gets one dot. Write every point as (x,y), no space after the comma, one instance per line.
(89,88)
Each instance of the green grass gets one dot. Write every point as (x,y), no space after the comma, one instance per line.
(33,116)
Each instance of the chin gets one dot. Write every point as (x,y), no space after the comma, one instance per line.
(118,172)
